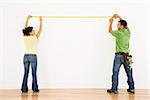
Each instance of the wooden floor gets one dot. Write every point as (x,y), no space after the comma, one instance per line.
(73,94)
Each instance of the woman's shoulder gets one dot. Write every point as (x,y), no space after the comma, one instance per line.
(31,36)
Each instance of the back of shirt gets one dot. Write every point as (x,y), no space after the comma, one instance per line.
(122,39)
(30,44)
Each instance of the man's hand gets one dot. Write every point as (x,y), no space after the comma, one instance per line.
(117,16)
(110,25)
(111,21)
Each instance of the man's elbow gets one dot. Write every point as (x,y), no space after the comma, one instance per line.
(110,31)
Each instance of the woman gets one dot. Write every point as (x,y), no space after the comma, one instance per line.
(30,57)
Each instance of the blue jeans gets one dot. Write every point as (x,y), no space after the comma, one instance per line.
(118,61)
(30,59)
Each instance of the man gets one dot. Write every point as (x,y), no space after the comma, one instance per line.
(122,36)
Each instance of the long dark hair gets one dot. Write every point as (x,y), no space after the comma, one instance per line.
(27,30)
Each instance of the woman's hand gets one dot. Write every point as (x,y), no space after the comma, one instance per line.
(27,21)
(40,28)
(29,16)
(40,18)
(111,20)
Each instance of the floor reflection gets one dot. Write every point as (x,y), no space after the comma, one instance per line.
(28,96)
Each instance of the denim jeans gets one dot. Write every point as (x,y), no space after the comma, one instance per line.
(118,61)
(30,59)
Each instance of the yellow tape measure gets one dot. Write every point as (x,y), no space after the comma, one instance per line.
(73,16)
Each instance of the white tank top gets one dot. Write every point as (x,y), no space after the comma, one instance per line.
(30,44)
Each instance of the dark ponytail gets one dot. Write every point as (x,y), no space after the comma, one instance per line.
(27,30)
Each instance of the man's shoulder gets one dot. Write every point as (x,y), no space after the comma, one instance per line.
(127,29)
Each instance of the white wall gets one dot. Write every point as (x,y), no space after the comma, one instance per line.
(1,46)
(149,45)
(73,52)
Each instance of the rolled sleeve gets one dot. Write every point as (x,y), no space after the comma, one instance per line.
(127,28)
(115,33)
